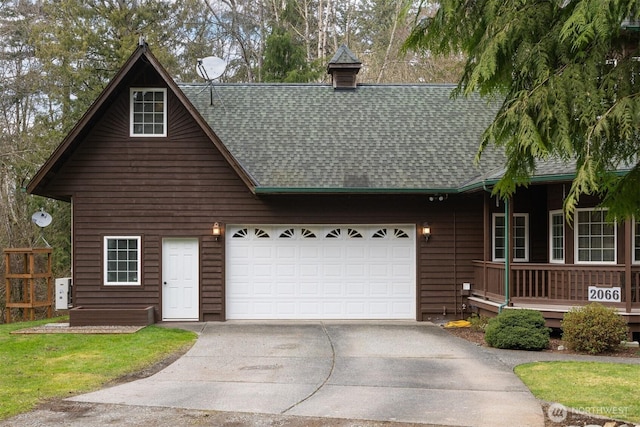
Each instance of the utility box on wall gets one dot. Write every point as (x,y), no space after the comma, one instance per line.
(63,293)
(466,289)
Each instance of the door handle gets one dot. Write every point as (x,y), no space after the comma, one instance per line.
(165,283)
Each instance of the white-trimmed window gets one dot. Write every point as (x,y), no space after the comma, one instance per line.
(122,260)
(148,112)
(636,241)
(556,237)
(595,238)
(520,237)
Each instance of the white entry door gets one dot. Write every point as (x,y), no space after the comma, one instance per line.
(321,272)
(180,285)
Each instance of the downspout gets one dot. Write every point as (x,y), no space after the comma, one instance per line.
(507,255)
(455,264)
(508,251)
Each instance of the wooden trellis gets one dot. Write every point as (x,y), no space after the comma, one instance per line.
(29,281)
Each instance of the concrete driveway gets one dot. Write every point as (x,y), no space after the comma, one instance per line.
(386,371)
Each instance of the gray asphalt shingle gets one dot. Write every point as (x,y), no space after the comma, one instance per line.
(385,137)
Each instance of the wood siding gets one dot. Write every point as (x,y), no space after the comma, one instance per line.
(180,185)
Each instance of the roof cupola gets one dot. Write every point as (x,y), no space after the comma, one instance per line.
(343,68)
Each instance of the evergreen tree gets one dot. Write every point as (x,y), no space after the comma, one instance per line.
(284,60)
(567,72)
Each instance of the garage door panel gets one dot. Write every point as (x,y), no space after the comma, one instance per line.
(309,289)
(332,289)
(399,289)
(344,272)
(355,289)
(333,251)
(332,270)
(379,289)
(284,270)
(379,270)
(286,289)
(401,252)
(309,309)
(286,308)
(356,253)
(379,252)
(332,309)
(354,271)
(309,252)
(262,289)
(262,252)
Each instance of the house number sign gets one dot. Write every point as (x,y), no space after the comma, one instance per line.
(604,294)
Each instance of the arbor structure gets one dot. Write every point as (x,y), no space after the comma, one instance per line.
(566,72)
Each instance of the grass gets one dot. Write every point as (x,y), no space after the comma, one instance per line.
(38,367)
(606,389)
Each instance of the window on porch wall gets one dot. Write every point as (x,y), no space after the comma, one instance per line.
(520,237)
(595,238)
(636,241)
(556,237)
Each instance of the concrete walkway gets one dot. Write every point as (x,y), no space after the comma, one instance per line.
(386,371)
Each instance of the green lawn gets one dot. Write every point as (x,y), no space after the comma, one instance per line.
(607,389)
(36,367)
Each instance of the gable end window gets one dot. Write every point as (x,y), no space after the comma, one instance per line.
(520,237)
(148,112)
(122,260)
(595,237)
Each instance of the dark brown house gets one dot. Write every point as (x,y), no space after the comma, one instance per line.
(343,201)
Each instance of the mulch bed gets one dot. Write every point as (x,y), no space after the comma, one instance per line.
(477,337)
(572,418)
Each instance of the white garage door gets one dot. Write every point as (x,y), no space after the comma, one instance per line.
(321,272)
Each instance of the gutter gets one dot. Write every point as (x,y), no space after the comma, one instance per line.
(539,179)
(352,190)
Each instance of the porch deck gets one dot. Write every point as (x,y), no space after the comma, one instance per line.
(554,289)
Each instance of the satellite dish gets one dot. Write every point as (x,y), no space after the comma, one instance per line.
(41,219)
(211,67)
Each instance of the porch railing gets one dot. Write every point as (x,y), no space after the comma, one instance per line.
(553,283)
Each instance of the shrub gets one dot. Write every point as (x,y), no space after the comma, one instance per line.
(518,330)
(593,329)
(478,322)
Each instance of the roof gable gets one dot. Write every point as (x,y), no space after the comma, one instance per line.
(141,58)
(308,138)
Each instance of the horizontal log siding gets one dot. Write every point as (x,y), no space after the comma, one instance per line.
(445,261)
(180,185)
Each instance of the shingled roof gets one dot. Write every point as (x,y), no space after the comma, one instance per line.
(386,138)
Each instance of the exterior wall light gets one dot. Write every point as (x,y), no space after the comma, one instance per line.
(426,231)
(216,231)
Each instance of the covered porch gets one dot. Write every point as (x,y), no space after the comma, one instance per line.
(554,289)
(534,259)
